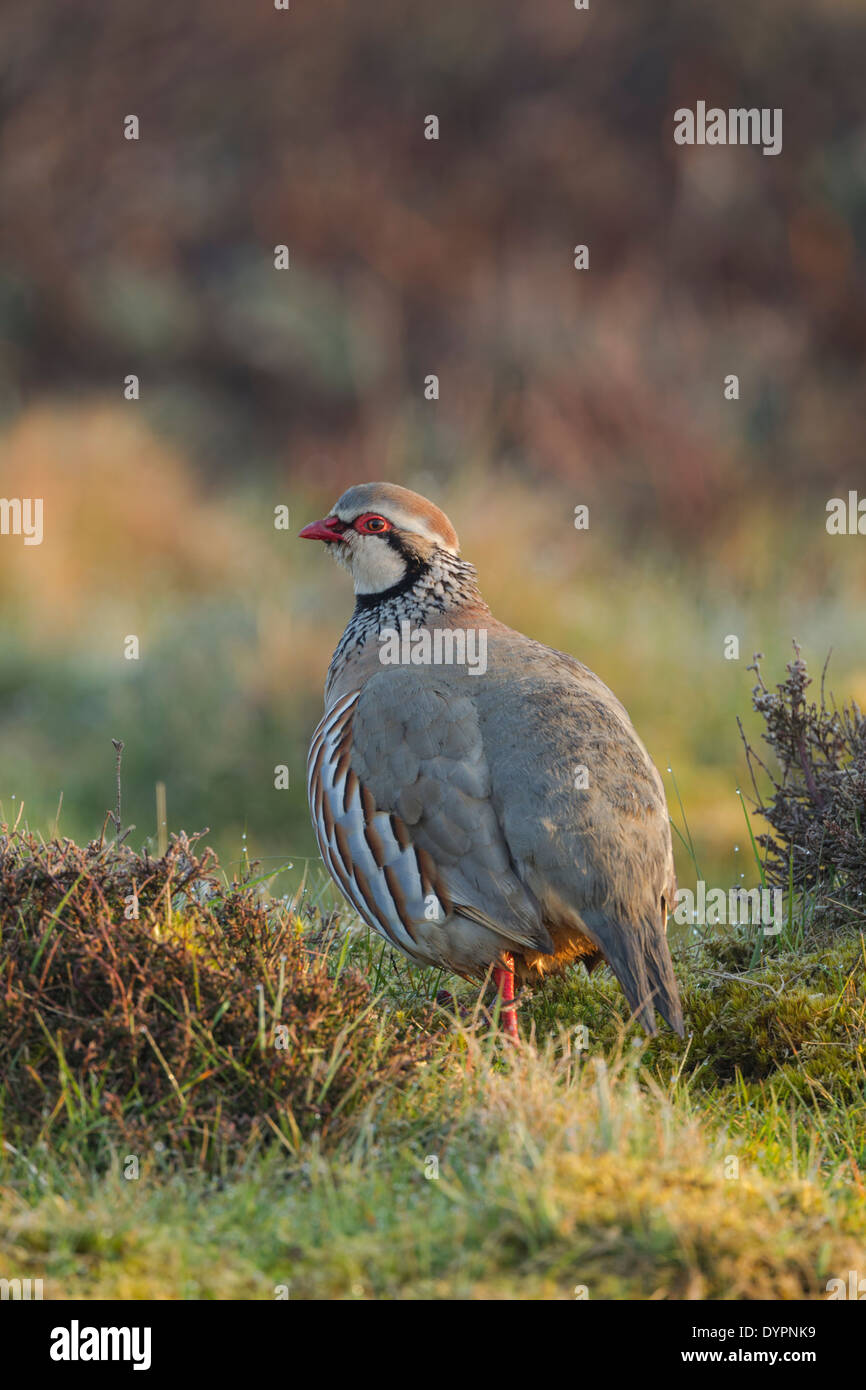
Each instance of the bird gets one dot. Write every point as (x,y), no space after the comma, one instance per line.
(480,799)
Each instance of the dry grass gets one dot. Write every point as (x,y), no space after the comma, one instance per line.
(187,1030)
(539,1176)
(388,1153)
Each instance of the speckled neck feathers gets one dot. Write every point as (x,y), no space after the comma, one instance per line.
(445,588)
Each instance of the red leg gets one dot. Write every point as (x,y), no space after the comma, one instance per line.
(503,978)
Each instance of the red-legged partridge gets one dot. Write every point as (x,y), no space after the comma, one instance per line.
(480,799)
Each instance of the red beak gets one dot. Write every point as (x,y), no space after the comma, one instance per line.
(323,530)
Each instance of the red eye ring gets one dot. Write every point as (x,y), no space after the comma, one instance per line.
(371,524)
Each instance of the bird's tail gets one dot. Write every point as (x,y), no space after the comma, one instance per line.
(640,959)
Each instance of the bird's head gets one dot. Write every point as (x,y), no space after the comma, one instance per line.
(385,535)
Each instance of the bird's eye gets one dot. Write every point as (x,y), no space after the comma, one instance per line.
(372,523)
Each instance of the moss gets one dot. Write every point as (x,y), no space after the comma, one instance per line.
(796,1017)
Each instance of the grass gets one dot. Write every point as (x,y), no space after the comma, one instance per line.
(549,1177)
(396,1149)
(147,1003)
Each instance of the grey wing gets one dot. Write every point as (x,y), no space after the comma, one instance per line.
(583,812)
(403,812)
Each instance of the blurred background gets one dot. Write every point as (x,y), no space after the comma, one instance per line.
(261,388)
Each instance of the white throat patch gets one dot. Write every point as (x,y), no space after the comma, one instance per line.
(375,565)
